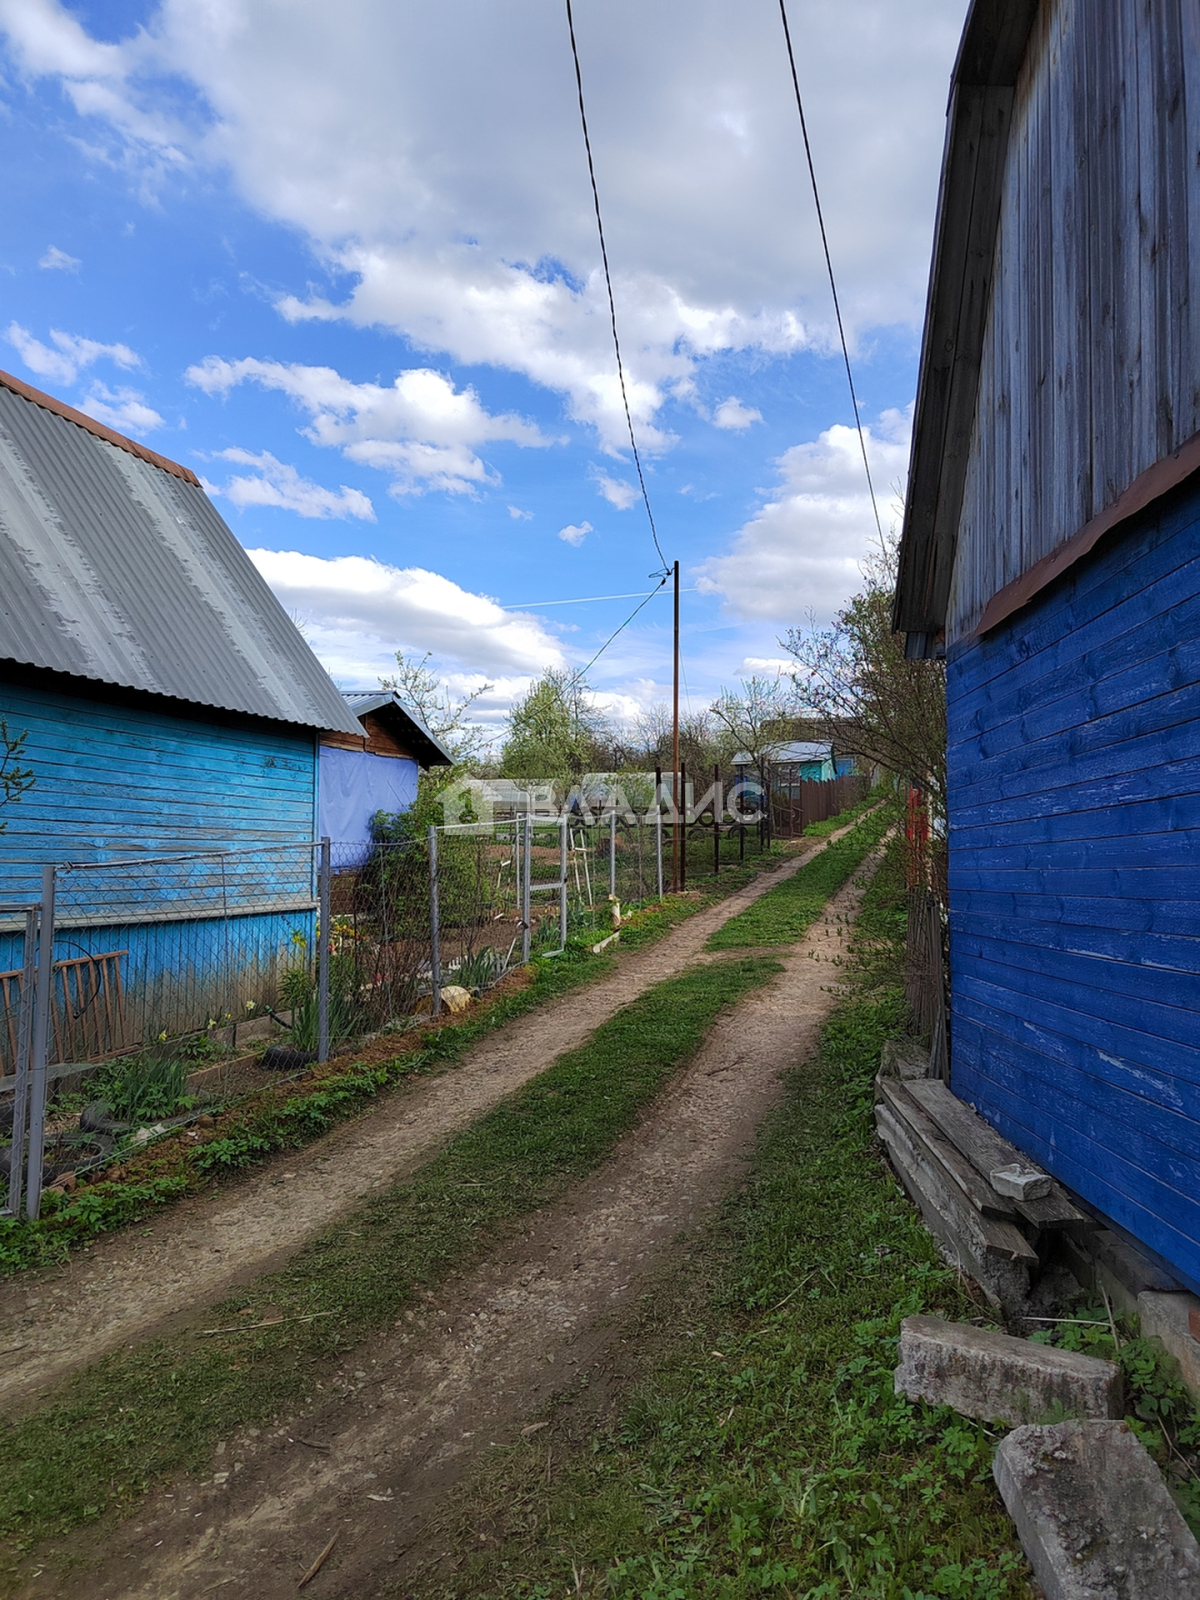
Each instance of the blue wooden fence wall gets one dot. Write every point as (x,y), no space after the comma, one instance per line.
(1074,800)
(117,783)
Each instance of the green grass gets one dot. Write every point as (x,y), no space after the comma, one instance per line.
(267,1122)
(783,914)
(760,1448)
(138,1416)
(822,830)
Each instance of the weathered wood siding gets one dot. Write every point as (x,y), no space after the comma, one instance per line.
(1074,773)
(1090,370)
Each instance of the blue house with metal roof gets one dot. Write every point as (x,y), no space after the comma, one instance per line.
(173,717)
(1051,555)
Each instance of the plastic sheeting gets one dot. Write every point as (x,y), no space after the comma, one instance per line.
(354,785)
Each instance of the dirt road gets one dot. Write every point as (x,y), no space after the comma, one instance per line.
(132,1284)
(374,1458)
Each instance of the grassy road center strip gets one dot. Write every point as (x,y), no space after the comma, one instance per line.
(140,1415)
(785,912)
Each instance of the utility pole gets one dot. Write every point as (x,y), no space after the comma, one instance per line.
(675,784)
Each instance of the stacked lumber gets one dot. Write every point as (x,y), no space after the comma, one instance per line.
(945,1154)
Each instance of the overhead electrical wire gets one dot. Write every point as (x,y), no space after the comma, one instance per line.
(584,670)
(837,310)
(612,305)
(587,599)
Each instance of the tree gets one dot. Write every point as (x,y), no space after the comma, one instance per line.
(865,696)
(15,780)
(444,715)
(555,731)
(758,721)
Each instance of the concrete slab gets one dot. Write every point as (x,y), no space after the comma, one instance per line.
(1001,1379)
(1095,1518)
(1171,1318)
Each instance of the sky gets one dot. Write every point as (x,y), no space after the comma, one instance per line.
(342,261)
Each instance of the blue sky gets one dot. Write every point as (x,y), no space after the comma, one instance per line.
(341,261)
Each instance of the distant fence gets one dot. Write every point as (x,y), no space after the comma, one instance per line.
(813,800)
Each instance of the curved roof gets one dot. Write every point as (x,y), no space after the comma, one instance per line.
(116,567)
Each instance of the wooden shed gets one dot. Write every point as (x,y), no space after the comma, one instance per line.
(1051,554)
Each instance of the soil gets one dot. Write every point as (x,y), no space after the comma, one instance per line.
(373,1458)
(143,1281)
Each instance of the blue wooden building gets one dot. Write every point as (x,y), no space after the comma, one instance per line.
(173,715)
(1051,554)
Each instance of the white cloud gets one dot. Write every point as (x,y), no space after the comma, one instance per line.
(70,353)
(421,430)
(277,484)
(434,155)
(123,409)
(358,612)
(732,413)
(575,533)
(518,515)
(56,260)
(802,552)
(765,666)
(616,491)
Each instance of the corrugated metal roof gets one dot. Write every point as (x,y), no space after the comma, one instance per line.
(115,566)
(784,754)
(430,751)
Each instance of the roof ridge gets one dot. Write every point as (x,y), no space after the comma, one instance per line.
(82,420)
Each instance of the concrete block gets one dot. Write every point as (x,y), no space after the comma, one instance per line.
(1172,1318)
(1001,1379)
(1020,1183)
(1095,1518)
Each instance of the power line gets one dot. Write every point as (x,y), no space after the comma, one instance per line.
(787,34)
(612,305)
(583,670)
(587,599)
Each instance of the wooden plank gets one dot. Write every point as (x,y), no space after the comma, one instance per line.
(980,1236)
(986,1150)
(925,1135)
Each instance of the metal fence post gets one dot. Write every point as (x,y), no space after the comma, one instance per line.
(16,1155)
(658,838)
(40,1047)
(612,853)
(323,944)
(526,899)
(435,926)
(563,849)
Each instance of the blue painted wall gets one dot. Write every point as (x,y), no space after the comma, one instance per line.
(355,784)
(1074,814)
(115,784)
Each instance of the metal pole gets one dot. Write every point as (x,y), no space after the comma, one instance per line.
(717,809)
(658,843)
(681,869)
(526,898)
(675,842)
(435,925)
(16,1168)
(40,1046)
(564,845)
(612,853)
(323,932)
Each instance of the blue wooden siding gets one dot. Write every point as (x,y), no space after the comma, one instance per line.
(1074,797)
(114,781)
(199,937)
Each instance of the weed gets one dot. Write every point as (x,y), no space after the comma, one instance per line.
(1164,1416)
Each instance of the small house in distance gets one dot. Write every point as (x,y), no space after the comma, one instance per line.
(375,769)
(1051,554)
